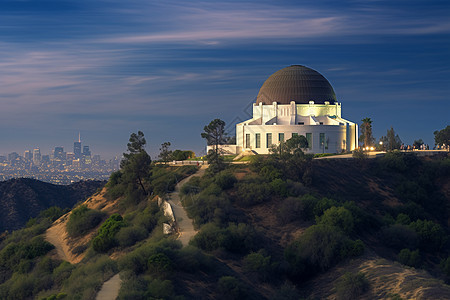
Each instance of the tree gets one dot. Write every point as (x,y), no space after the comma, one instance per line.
(214,133)
(442,137)
(137,163)
(418,143)
(165,153)
(366,132)
(296,144)
(391,141)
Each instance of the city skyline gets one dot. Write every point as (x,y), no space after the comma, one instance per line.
(109,68)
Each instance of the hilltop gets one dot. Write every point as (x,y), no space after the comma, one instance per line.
(278,228)
(23,198)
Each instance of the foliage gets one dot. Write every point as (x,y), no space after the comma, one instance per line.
(318,249)
(409,258)
(291,209)
(128,236)
(431,235)
(165,154)
(182,154)
(445,265)
(160,265)
(230,287)
(442,137)
(225,180)
(366,132)
(251,193)
(105,238)
(351,286)
(237,238)
(391,141)
(259,264)
(339,217)
(83,219)
(399,236)
(359,154)
(214,133)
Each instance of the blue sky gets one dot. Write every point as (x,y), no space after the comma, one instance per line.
(109,68)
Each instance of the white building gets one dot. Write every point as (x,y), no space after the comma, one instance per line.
(296,101)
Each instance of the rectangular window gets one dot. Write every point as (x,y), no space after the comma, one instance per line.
(281,137)
(322,140)
(268,140)
(257,140)
(321,123)
(309,139)
(301,123)
(247,140)
(294,134)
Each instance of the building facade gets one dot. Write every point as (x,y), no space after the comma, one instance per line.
(293,101)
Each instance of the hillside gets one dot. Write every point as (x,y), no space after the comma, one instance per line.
(23,198)
(278,228)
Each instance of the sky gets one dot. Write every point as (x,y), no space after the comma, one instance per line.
(107,68)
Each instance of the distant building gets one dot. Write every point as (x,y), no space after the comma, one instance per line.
(12,156)
(77,149)
(36,156)
(86,151)
(293,101)
(59,153)
(28,155)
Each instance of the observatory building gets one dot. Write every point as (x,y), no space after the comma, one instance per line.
(293,101)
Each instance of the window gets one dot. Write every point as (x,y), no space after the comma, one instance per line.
(301,123)
(247,140)
(268,140)
(322,140)
(309,139)
(294,134)
(281,137)
(321,123)
(257,140)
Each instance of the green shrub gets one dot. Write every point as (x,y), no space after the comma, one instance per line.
(160,265)
(279,187)
(318,249)
(53,213)
(445,266)
(230,287)
(160,289)
(322,205)
(351,286)
(252,193)
(225,180)
(291,209)
(398,236)
(287,292)
(83,219)
(128,236)
(431,235)
(105,238)
(403,219)
(259,264)
(409,258)
(339,217)
(309,202)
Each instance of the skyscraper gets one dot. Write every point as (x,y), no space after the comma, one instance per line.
(77,148)
(59,153)
(36,156)
(86,151)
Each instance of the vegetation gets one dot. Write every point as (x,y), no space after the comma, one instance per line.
(351,286)
(366,132)
(391,141)
(83,219)
(442,137)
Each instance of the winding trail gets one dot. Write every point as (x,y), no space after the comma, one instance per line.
(185,226)
(110,289)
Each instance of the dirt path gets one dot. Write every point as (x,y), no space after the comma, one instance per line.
(57,235)
(185,226)
(110,289)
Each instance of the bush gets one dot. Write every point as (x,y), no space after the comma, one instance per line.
(398,236)
(291,209)
(445,266)
(240,238)
(83,219)
(279,187)
(431,235)
(309,202)
(105,238)
(225,180)
(318,249)
(128,236)
(160,265)
(351,286)
(337,216)
(409,258)
(322,205)
(259,264)
(250,193)
(231,288)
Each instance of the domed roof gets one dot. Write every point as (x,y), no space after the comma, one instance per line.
(296,83)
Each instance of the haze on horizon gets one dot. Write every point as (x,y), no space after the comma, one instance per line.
(108,68)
